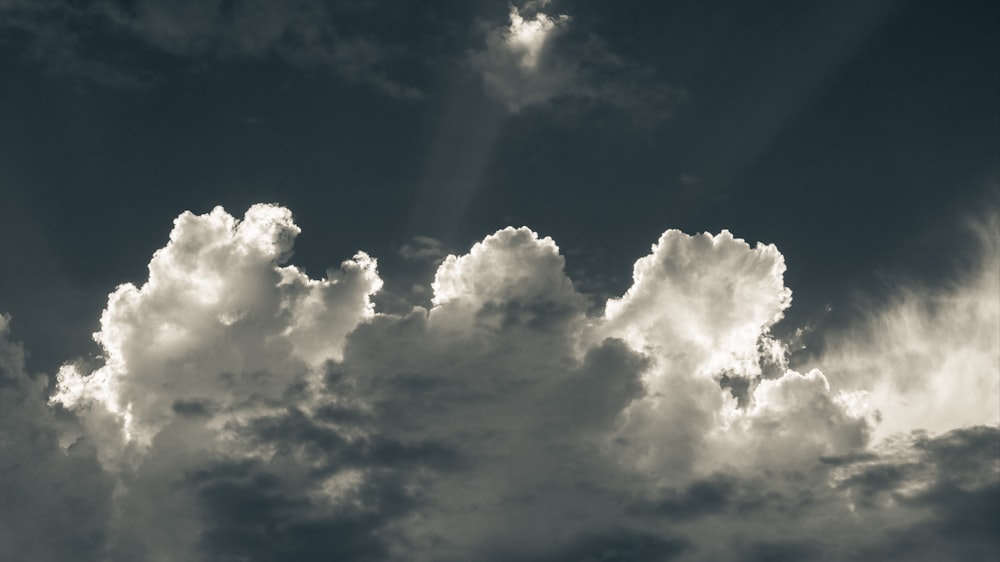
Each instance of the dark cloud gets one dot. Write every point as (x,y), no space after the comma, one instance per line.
(251,514)
(701,498)
(952,480)
(194,407)
(780,551)
(94,40)
(620,546)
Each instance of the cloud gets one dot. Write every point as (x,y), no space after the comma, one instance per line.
(243,410)
(686,295)
(423,248)
(947,488)
(526,38)
(72,39)
(930,358)
(533,60)
(511,272)
(55,499)
(217,322)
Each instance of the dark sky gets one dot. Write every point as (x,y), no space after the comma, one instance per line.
(852,135)
(204,385)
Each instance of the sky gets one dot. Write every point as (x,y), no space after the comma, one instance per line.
(464,280)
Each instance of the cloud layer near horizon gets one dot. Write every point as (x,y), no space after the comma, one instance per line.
(245,411)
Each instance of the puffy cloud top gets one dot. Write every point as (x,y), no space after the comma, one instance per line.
(512,267)
(218,320)
(243,410)
(712,295)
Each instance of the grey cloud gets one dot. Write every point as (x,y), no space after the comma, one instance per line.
(620,546)
(194,407)
(703,497)
(952,480)
(961,457)
(250,513)
(253,510)
(780,551)
(96,40)
(920,497)
(61,37)
(423,248)
(56,501)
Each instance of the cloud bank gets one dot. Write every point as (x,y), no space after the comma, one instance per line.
(242,410)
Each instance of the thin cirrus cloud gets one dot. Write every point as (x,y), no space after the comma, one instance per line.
(243,410)
(531,60)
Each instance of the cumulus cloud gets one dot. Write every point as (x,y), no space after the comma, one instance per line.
(218,322)
(532,60)
(242,410)
(709,295)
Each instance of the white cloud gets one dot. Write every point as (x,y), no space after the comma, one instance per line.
(512,267)
(242,410)
(218,320)
(219,335)
(701,308)
(711,296)
(528,37)
(526,63)
(931,358)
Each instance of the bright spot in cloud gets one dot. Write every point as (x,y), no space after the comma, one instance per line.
(528,36)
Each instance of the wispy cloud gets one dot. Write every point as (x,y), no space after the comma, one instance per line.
(930,358)
(423,248)
(302,33)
